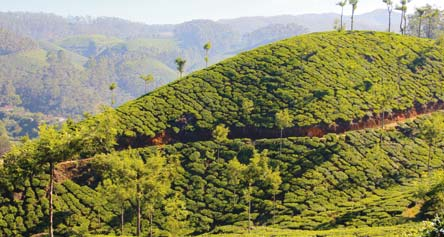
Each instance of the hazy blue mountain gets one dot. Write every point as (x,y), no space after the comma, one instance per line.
(375,20)
(45,26)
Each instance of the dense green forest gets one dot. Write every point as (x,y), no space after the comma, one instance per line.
(261,139)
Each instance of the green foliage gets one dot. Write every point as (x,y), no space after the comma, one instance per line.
(426,22)
(176,221)
(337,181)
(20,123)
(434,228)
(327,183)
(220,134)
(5,145)
(147,79)
(432,129)
(11,43)
(180,63)
(432,194)
(284,119)
(248,90)
(129,178)
(391,231)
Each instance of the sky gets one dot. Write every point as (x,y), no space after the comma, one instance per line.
(177,11)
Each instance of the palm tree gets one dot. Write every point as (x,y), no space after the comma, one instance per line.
(420,12)
(180,65)
(207,48)
(389,4)
(354,4)
(403,9)
(147,79)
(342,5)
(112,87)
(431,14)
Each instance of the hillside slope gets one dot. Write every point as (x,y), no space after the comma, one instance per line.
(337,181)
(330,82)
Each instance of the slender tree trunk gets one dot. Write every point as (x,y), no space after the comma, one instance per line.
(138,210)
(382,125)
(401,24)
(151,222)
(122,219)
(429,159)
(100,222)
(206,58)
(429,33)
(383,119)
(51,207)
(390,21)
(280,147)
(249,207)
(249,216)
(342,17)
(274,208)
(405,22)
(419,28)
(352,19)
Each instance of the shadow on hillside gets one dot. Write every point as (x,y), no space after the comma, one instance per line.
(168,136)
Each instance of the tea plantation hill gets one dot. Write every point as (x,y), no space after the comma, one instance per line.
(330,82)
(328,183)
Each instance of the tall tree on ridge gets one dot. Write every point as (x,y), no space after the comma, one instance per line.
(403,9)
(342,5)
(420,12)
(207,48)
(354,4)
(147,79)
(389,4)
(431,15)
(112,87)
(180,66)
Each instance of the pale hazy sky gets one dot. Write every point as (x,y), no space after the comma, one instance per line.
(176,11)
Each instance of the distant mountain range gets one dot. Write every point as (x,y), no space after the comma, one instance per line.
(63,66)
(375,20)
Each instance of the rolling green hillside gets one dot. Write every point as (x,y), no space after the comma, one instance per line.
(329,81)
(320,176)
(88,45)
(36,72)
(336,181)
